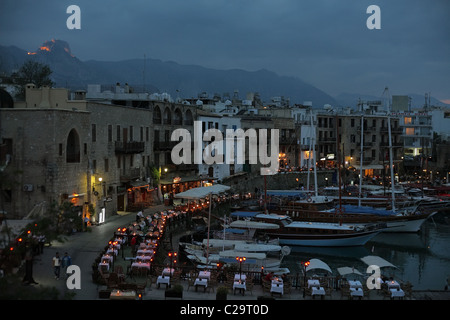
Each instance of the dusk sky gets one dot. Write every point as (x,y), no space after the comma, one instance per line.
(323,42)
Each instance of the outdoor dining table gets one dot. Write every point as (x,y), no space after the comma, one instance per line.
(318,291)
(163,280)
(140,265)
(112,251)
(396,293)
(200,282)
(393,284)
(355,284)
(204,275)
(167,272)
(143,258)
(103,266)
(145,252)
(356,292)
(277,286)
(123,295)
(313,283)
(108,258)
(239,285)
(241,276)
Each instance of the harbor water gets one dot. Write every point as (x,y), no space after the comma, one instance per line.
(421,258)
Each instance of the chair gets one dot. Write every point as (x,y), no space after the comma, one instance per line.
(345,291)
(113,281)
(249,285)
(407,288)
(119,271)
(211,284)
(266,285)
(191,281)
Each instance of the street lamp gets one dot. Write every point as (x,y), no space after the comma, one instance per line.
(304,265)
(240,260)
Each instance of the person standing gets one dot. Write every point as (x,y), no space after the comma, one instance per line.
(65,262)
(56,265)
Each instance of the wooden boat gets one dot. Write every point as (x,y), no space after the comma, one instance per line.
(317,234)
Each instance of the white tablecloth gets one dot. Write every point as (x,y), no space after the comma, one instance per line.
(320,291)
(143,258)
(163,280)
(103,265)
(397,293)
(107,258)
(355,284)
(313,283)
(204,275)
(140,265)
(277,286)
(356,292)
(167,271)
(238,277)
(200,282)
(239,285)
(393,284)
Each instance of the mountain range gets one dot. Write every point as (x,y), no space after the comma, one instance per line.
(154,75)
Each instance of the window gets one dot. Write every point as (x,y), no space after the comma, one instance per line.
(409,131)
(109,133)
(106,165)
(118,133)
(94,132)
(408,120)
(352,122)
(60,149)
(72,148)
(131,133)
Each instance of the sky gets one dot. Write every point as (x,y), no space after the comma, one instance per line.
(323,42)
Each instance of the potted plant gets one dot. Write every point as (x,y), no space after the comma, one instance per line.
(176,291)
(221,293)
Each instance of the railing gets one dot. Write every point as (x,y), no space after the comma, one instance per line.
(129,147)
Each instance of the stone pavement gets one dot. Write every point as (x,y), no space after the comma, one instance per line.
(83,247)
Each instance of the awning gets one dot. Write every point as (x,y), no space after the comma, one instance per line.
(318,264)
(347,270)
(202,192)
(369,167)
(244,214)
(377,261)
(138,183)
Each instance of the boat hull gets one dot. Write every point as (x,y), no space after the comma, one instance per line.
(343,240)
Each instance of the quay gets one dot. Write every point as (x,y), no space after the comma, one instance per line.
(84,247)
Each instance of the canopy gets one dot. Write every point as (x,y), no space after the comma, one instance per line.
(202,192)
(244,214)
(378,261)
(347,270)
(318,264)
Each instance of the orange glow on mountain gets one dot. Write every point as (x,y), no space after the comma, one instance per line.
(45,49)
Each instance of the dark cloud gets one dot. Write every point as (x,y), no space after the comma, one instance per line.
(324,42)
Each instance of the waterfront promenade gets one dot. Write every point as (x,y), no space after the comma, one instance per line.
(84,247)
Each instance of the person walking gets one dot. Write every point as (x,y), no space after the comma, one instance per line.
(56,262)
(65,262)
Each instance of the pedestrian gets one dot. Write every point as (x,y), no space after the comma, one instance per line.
(41,240)
(65,262)
(86,221)
(28,278)
(56,265)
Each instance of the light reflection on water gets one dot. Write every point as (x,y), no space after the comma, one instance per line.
(422,258)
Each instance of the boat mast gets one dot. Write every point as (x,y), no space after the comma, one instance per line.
(361,157)
(391,164)
(209,225)
(338,151)
(314,158)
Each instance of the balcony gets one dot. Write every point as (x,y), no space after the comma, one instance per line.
(164,145)
(130,174)
(129,147)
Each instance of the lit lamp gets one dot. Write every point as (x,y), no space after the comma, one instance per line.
(305,264)
(240,260)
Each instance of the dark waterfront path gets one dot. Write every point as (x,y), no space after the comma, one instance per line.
(84,247)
